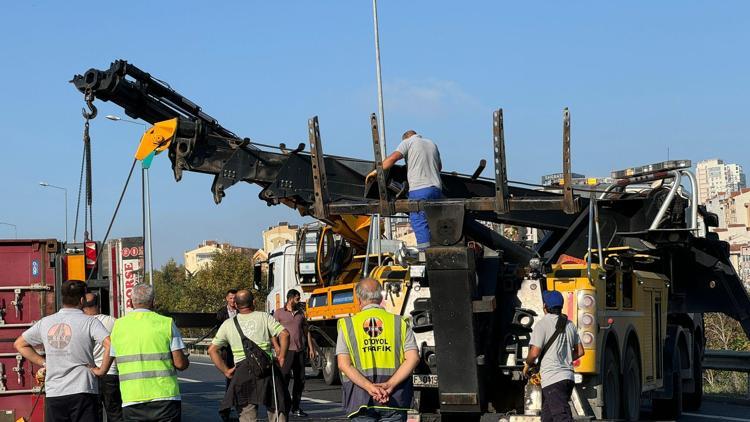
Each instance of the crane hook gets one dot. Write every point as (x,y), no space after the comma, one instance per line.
(89,97)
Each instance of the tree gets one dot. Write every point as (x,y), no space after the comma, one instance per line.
(170,282)
(724,333)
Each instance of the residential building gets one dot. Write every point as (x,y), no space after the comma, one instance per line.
(278,235)
(715,176)
(202,256)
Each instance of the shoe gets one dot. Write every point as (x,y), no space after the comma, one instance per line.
(298,413)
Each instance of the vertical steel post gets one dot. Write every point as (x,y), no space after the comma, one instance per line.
(568,205)
(150,245)
(320,182)
(501,173)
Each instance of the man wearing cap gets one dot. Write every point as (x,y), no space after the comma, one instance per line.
(556,364)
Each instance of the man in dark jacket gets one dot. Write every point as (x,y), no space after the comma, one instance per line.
(223,314)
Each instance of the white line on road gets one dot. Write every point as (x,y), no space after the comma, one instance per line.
(726,418)
(201,363)
(187,380)
(320,401)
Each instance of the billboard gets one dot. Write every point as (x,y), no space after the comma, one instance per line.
(129,271)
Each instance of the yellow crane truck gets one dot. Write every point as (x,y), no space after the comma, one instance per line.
(633,268)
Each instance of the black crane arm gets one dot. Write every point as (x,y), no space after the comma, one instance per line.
(203,145)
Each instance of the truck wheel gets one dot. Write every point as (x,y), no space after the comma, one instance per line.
(671,408)
(692,401)
(331,367)
(631,381)
(611,385)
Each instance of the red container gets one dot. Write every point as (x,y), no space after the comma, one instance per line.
(29,273)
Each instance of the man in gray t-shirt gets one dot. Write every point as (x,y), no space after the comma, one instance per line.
(423,167)
(68,338)
(556,366)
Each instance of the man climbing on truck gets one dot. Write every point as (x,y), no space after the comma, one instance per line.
(423,175)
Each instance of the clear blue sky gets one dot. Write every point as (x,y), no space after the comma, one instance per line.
(639,77)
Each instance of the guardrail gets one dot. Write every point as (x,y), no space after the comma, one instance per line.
(200,347)
(728,360)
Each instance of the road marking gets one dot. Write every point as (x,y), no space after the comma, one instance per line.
(188,380)
(320,401)
(201,363)
(726,418)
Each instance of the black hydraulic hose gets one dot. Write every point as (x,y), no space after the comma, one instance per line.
(112,221)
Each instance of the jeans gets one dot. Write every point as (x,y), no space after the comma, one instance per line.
(379,415)
(419,219)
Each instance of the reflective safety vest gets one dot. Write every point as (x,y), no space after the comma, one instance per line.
(375,339)
(142,343)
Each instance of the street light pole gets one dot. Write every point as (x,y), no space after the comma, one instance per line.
(388,232)
(15,228)
(47,185)
(145,204)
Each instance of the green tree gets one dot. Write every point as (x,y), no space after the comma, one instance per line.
(170,283)
(724,333)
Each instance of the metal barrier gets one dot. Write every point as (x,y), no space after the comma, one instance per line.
(200,347)
(728,360)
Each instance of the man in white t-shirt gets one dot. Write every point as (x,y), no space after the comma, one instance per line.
(68,338)
(109,384)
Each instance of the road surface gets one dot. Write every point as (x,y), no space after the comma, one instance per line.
(202,388)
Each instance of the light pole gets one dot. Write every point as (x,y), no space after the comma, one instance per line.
(15,228)
(47,185)
(381,110)
(146,202)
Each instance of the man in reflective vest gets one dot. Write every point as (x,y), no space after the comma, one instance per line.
(376,353)
(148,349)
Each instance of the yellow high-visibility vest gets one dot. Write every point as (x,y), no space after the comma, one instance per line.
(375,339)
(142,343)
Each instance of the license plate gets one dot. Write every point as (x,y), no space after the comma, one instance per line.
(425,381)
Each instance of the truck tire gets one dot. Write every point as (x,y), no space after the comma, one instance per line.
(611,385)
(671,409)
(693,401)
(631,385)
(331,367)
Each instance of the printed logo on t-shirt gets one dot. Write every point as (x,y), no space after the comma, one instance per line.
(373,326)
(59,335)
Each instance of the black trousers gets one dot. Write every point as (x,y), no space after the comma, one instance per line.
(294,369)
(154,411)
(72,408)
(555,402)
(109,396)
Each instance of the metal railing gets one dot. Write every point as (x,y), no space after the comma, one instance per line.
(728,360)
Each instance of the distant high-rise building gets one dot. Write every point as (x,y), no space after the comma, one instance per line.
(715,176)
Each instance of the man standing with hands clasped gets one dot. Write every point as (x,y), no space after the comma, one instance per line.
(377,353)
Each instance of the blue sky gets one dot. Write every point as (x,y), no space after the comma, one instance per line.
(639,78)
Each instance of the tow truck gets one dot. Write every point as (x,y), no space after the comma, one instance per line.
(635,274)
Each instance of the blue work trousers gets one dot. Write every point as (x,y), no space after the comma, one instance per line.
(419,219)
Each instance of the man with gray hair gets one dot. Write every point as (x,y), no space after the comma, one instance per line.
(148,349)
(377,353)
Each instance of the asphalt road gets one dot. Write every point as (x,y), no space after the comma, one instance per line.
(202,388)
